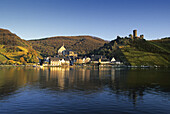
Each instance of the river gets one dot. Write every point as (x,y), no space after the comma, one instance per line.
(84,90)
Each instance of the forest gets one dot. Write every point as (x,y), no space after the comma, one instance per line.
(81,44)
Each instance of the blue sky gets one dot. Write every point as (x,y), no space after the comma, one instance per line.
(34,19)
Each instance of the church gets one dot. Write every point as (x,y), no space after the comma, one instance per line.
(65,52)
(61,49)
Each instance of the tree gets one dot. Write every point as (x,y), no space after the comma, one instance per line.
(130,36)
(118,37)
(22,60)
(115,45)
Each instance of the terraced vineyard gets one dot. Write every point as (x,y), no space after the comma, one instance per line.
(14,50)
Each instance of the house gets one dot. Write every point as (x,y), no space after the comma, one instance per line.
(45,61)
(87,59)
(69,53)
(80,60)
(113,60)
(58,61)
(97,58)
(104,61)
(55,61)
(67,61)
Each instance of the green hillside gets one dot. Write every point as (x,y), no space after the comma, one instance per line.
(2,58)
(138,52)
(80,44)
(11,39)
(14,50)
(163,43)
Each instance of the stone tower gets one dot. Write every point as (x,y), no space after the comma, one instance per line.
(134,33)
(142,36)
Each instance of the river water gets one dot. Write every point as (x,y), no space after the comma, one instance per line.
(84,90)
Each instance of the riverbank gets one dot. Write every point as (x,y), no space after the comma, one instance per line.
(85,65)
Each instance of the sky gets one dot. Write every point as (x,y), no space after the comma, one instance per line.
(107,19)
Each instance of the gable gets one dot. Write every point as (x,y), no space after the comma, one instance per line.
(62,49)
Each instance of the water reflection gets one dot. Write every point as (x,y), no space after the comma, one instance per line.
(132,83)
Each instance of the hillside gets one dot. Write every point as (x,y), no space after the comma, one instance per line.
(11,39)
(163,43)
(138,52)
(14,50)
(80,44)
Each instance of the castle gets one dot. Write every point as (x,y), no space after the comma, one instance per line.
(134,36)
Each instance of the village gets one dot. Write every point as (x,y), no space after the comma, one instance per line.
(67,57)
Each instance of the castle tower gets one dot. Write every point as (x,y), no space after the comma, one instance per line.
(142,36)
(134,33)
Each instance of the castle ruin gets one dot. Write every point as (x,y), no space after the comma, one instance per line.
(134,36)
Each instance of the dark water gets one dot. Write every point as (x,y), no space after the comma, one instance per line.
(84,90)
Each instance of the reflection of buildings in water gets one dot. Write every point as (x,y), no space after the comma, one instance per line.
(93,79)
(108,75)
(71,76)
(84,74)
(87,75)
(60,74)
(112,74)
(80,74)
(104,73)
(65,77)
(56,75)
(81,78)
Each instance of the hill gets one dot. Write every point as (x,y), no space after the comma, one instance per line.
(163,43)
(14,50)
(138,52)
(80,44)
(11,39)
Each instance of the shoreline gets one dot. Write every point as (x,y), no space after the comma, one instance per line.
(99,66)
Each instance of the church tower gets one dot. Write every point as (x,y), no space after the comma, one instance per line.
(61,49)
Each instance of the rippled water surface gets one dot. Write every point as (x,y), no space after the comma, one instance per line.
(84,90)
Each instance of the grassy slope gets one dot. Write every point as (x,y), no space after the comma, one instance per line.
(137,58)
(14,55)
(2,58)
(152,53)
(17,54)
(162,43)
